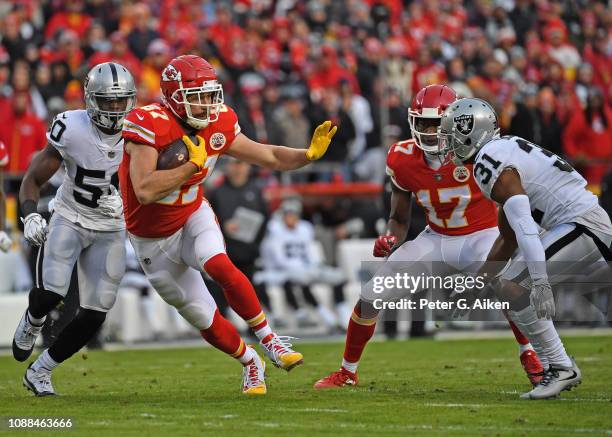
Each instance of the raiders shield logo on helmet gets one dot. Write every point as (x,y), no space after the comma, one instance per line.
(464,123)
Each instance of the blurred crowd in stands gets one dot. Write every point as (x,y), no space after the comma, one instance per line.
(286,65)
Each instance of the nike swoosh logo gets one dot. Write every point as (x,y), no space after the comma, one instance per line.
(140,117)
(570,377)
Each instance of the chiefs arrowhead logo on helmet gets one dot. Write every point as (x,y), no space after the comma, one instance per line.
(190,89)
(170,73)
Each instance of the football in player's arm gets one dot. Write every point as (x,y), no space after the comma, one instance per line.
(151,185)
(161,198)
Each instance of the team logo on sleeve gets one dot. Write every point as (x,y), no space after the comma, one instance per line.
(217,141)
(461,174)
(464,123)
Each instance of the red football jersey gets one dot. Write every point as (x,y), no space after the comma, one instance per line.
(156,126)
(453,202)
(4,156)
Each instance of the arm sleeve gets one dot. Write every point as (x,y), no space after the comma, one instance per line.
(518,212)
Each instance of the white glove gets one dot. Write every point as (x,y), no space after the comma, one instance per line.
(35,229)
(111,204)
(5,242)
(542,298)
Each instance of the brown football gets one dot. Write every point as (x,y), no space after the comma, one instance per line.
(173,155)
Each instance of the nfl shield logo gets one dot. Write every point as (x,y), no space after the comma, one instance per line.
(111,154)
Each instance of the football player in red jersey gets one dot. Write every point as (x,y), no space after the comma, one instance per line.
(172,227)
(462,225)
(5,240)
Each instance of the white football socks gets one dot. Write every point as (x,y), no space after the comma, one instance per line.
(525,347)
(543,337)
(34,321)
(247,356)
(262,333)
(351,367)
(44,363)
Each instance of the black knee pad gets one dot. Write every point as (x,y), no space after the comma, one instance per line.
(76,335)
(41,301)
(91,317)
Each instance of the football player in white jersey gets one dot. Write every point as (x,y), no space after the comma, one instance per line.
(533,186)
(87,226)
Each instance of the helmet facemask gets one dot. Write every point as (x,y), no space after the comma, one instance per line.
(108,110)
(424,128)
(425,132)
(202,104)
(458,147)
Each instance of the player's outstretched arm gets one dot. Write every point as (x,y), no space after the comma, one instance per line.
(43,166)
(150,184)
(280,157)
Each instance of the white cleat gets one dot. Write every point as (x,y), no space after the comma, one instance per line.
(253,376)
(25,338)
(556,379)
(38,382)
(278,350)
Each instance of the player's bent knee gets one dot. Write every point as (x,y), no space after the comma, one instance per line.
(41,301)
(56,278)
(107,299)
(198,315)
(115,262)
(91,317)
(167,289)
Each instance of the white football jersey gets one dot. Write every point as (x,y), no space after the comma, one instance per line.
(91,160)
(556,191)
(286,248)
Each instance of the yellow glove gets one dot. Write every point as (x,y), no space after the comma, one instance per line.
(197,154)
(321,138)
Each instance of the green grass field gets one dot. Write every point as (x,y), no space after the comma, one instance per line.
(421,386)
